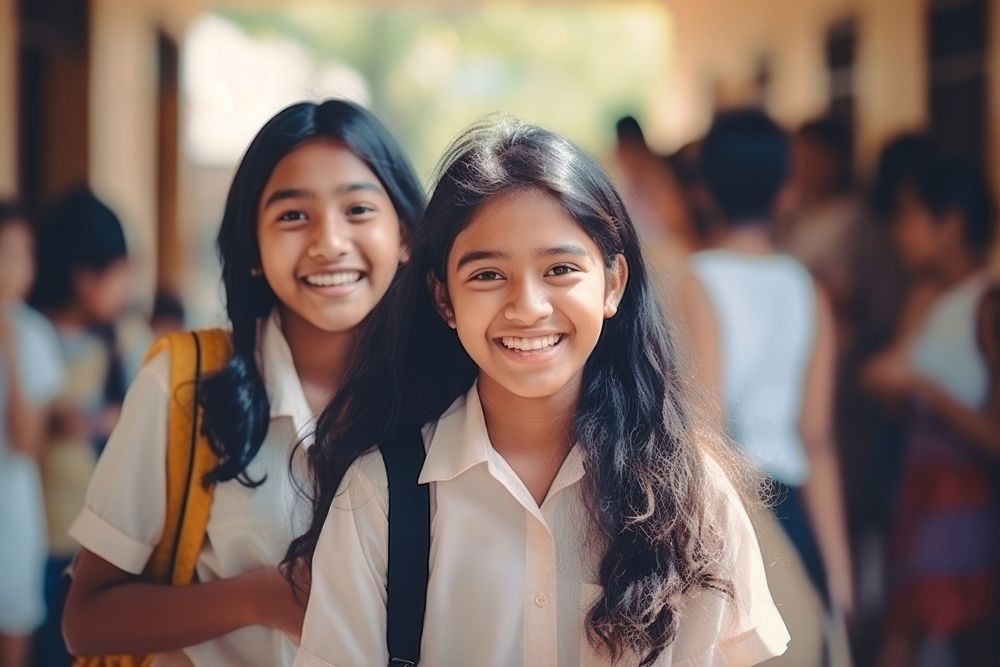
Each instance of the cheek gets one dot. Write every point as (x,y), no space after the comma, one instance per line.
(277,251)
(380,246)
(584,306)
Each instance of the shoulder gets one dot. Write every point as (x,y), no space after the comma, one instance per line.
(731,498)
(365,486)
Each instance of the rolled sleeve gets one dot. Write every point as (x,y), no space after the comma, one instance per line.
(125,506)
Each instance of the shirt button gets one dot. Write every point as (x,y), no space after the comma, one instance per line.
(541,600)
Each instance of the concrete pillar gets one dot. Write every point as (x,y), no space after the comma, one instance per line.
(9,96)
(123,125)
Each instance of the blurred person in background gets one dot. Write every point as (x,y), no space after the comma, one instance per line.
(821,226)
(870,436)
(764,338)
(946,546)
(83,287)
(31,374)
(661,195)
(167,315)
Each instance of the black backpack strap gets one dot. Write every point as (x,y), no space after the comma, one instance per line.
(409,548)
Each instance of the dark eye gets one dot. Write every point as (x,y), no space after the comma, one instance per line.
(561,270)
(293,216)
(485,276)
(359,210)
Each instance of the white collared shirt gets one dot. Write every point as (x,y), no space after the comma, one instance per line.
(247,529)
(510,582)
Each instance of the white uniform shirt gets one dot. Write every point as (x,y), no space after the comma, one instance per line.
(247,528)
(22,510)
(510,582)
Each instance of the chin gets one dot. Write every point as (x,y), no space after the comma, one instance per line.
(538,388)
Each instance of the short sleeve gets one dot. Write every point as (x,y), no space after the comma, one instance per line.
(346,616)
(751,629)
(125,506)
(40,365)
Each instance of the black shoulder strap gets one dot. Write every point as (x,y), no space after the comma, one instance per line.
(409,548)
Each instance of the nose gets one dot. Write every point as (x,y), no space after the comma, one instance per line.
(529,303)
(332,237)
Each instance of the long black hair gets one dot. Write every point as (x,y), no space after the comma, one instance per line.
(645,472)
(235,400)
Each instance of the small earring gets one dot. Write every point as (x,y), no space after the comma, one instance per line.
(256,272)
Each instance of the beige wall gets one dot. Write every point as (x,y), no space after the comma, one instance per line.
(722,41)
(8,97)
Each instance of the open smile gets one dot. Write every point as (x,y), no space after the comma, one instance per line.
(530,348)
(333,283)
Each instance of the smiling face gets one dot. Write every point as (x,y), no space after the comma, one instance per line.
(528,292)
(329,236)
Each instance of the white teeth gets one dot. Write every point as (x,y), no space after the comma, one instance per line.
(529,344)
(333,279)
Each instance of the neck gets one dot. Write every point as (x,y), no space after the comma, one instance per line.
(752,238)
(533,435)
(320,357)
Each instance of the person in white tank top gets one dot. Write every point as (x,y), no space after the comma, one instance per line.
(763,337)
(942,370)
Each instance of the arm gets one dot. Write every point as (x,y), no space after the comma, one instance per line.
(823,491)
(112,611)
(702,332)
(346,616)
(110,608)
(26,420)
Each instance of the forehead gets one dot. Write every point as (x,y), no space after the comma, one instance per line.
(320,162)
(521,222)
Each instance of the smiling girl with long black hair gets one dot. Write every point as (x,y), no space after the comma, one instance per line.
(577,516)
(315,226)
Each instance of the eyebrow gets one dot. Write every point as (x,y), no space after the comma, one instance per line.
(477,255)
(302,193)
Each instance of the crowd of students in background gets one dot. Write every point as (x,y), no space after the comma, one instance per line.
(794,253)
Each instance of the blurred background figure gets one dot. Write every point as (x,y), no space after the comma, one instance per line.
(764,338)
(31,374)
(940,369)
(167,315)
(82,287)
(823,215)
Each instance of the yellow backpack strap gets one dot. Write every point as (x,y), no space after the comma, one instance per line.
(193,355)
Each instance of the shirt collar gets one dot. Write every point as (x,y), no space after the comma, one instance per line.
(284,389)
(461,441)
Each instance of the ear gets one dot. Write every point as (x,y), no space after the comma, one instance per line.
(617,278)
(404,251)
(441,300)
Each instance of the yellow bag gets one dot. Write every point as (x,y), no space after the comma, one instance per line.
(193,354)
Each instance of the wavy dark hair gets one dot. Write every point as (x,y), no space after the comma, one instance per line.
(236,406)
(645,471)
